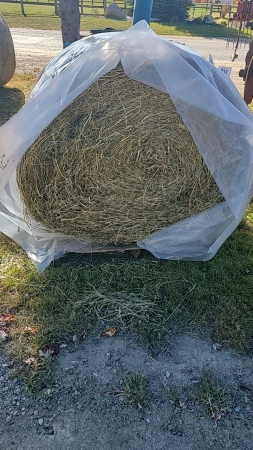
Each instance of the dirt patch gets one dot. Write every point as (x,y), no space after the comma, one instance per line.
(32,62)
(87,410)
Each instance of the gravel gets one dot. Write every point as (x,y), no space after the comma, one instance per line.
(87,404)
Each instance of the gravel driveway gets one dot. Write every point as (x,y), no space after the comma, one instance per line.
(35,48)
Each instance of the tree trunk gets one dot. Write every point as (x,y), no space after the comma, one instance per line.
(57,7)
(70,21)
(22,7)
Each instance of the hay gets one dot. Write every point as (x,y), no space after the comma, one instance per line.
(115,166)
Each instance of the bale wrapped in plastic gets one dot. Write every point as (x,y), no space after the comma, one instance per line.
(116,165)
(127,137)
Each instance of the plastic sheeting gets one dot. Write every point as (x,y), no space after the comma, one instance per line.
(211,107)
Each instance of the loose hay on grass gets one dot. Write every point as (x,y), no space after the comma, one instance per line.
(116,165)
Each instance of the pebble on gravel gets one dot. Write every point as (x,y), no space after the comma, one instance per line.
(40,421)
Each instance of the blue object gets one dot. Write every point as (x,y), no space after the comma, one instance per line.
(142,10)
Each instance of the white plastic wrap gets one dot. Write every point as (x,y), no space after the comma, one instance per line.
(211,107)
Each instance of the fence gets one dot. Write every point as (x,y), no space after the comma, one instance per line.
(201,8)
(98,5)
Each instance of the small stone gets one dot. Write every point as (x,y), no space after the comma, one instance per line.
(148,420)
(79,406)
(40,421)
(49,430)
(8,419)
(237,408)
(23,413)
(121,398)
(49,391)
(216,346)
(35,413)
(23,409)
(4,366)
(167,374)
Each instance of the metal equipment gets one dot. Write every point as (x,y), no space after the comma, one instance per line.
(242,20)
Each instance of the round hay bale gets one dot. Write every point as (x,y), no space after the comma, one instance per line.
(116,165)
(7,53)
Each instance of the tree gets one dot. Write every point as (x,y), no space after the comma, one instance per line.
(22,7)
(70,21)
(171,10)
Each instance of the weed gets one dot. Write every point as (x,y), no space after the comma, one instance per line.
(136,392)
(213,396)
(171,395)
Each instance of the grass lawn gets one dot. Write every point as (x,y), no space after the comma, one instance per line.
(43,17)
(154,298)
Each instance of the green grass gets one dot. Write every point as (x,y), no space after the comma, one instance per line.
(136,391)
(44,18)
(151,297)
(215,398)
(171,394)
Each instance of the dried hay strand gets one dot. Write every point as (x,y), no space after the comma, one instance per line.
(116,165)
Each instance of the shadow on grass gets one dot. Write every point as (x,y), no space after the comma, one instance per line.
(195,30)
(152,297)
(11,100)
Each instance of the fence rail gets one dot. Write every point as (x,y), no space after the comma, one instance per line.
(96,4)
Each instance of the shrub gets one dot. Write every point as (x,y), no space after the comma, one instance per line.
(166,10)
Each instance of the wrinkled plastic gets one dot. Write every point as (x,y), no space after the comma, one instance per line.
(211,107)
